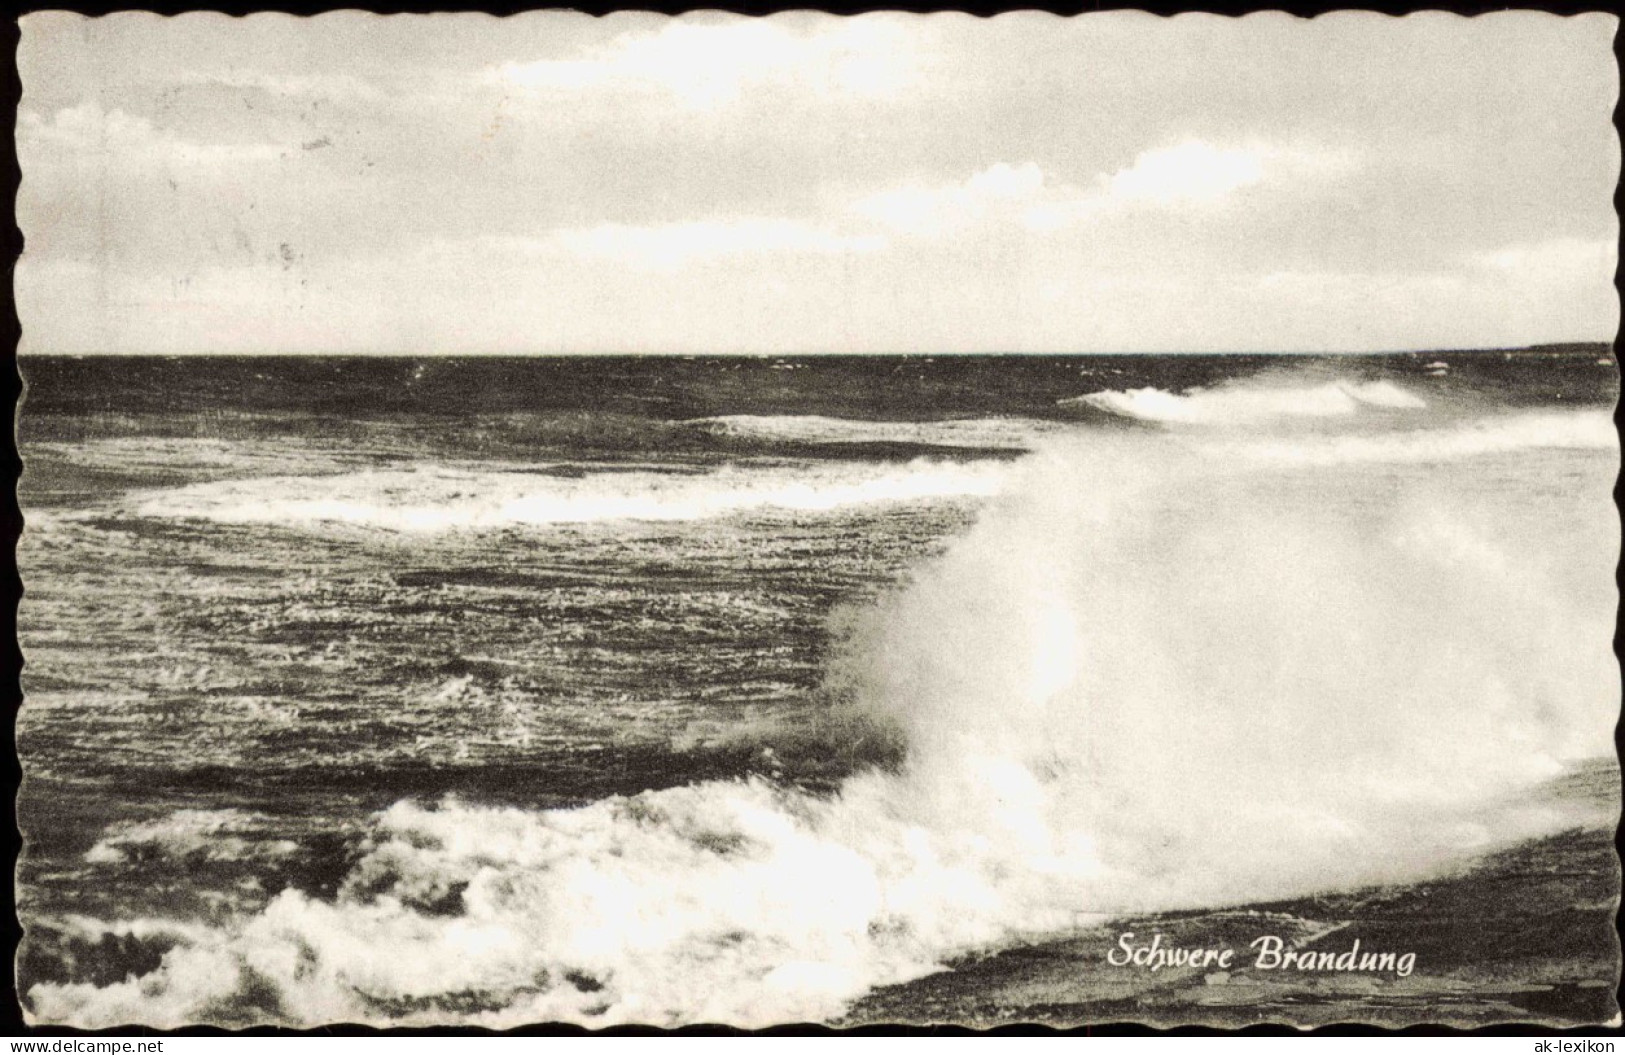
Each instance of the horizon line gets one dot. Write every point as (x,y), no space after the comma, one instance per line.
(20,355)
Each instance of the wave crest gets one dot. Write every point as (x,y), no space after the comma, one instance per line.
(1504,434)
(980,433)
(192,835)
(440,498)
(1246,403)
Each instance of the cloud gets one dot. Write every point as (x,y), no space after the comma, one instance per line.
(670,246)
(117,140)
(1193,171)
(345,87)
(944,209)
(708,65)
(1554,259)
(1192,175)
(806,182)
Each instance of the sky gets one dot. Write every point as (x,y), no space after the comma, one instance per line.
(557,183)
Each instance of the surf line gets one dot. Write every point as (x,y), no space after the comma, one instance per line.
(1271,954)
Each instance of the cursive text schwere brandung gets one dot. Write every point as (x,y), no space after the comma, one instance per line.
(1269,953)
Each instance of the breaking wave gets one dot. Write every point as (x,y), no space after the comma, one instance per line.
(982,433)
(192,835)
(1247,402)
(1138,683)
(440,498)
(437,497)
(1504,434)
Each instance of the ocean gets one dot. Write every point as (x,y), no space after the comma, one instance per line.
(752,690)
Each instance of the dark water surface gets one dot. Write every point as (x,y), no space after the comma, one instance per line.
(269,598)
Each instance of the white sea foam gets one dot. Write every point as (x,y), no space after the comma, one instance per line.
(1007,433)
(1139,682)
(1503,434)
(213,835)
(1249,402)
(440,498)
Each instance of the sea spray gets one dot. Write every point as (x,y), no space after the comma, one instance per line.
(1238,682)
(1145,679)
(1252,400)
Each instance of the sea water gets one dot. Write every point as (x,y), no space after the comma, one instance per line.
(726,690)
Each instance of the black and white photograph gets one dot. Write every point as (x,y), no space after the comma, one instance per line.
(812,520)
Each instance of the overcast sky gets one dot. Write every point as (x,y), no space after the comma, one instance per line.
(887,183)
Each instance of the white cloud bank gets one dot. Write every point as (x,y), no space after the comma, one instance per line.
(1192,174)
(562,183)
(1562,259)
(115,140)
(1189,175)
(1192,171)
(945,209)
(706,65)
